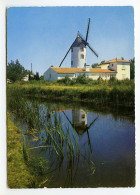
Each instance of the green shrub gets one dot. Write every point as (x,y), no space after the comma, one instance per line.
(82,79)
(66,81)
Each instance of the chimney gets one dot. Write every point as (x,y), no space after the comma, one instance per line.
(87,67)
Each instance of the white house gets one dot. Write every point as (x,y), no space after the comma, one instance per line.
(26,78)
(117,68)
(121,66)
(55,73)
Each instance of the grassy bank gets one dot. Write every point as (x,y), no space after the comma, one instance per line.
(24,170)
(18,173)
(114,93)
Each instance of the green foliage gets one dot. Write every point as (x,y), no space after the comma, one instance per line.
(112,79)
(15,71)
(36,76)
(102,62)
(18,173)
(132,68)
(82,79)
(66,81)
(98,92)
(41,78)
(31,77)
(95,65)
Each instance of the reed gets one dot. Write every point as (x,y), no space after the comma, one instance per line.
(45,127)
(113,93)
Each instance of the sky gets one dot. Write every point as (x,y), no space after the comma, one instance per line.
(42,35)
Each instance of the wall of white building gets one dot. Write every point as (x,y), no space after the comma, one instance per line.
(76,57)
(122,68)
(95,76)
(105,66)
(50,75)
(71,76)
(123,72)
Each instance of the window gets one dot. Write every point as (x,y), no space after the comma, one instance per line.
(123,67)
(112,65)
(82,49)
(50,76)
(83,115)
(71,62)
(82,56)
(71,49)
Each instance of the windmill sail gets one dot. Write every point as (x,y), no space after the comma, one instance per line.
(92,49)
(64,57)
(87,29)
(78,58)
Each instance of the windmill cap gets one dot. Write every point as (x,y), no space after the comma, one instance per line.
(79,41)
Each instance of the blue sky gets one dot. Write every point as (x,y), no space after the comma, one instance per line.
(42,35)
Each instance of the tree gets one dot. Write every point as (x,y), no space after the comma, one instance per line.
(95,65)
(15,71)
(42,77)
(132,68)
(36,77)
(102,62)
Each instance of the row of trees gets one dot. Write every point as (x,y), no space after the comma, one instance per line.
(16,72)
(132,66)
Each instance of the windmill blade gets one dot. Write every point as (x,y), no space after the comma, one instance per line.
(87,29)
(89,142)
(92,123)
(67,118)
(92,49)
(65,57)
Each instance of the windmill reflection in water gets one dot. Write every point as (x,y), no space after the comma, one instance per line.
(79,123)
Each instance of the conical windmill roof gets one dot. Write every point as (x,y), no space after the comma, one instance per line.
(79,42)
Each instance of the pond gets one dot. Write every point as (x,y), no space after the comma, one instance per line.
(74,145)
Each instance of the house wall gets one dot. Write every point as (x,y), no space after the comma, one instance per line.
(76,60)
(26,78)
(103,66)
(123,72)
(113,66)
(122,68)
(50,75)
(95,76)
(71,76)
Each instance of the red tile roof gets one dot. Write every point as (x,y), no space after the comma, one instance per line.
(116,60)
(74,70)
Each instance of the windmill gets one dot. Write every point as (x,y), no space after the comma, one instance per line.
(78,50)
(80,126)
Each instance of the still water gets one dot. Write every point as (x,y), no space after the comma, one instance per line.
(105,140)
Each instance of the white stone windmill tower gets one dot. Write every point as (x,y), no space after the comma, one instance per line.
(78,51)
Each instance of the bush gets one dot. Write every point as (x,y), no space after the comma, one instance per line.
(82,79)
(66,81)
(112,79)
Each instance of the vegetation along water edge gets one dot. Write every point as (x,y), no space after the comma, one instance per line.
(111,93)
(22,170)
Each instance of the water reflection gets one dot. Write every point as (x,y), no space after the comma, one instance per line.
(106,145)
(79,123)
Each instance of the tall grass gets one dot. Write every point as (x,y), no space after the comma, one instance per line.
(45,127)
(112,93)
(47,134)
